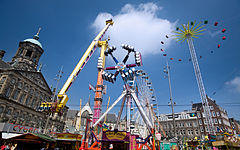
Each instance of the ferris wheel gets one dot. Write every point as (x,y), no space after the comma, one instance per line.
(147,98)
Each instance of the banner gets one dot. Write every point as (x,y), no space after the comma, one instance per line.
(115,136)
(69,136)
(14,128)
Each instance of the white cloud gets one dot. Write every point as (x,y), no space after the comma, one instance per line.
(214,33)
(139,27)
(234,84)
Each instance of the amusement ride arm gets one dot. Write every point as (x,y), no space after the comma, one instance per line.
(62,96)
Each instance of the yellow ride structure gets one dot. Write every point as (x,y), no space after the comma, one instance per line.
(62,97)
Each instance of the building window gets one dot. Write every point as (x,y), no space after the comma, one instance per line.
(205,121)
(15,95)
(28,100)
(220,121)
(8,92)
(13,81)
(211,107)
(194,124)
(36,94)
(213,114)
(203,114)
(217,128)
(29,53)
(190,124)
(206,128)
(201,128)
(16,114)
(217,113)
(35,58)
(200,122)
(21,116)
(215,120)
(39,103)
(9,111)
(3,80)
(199,115)
(20,85)
(41,97)
(26,88)
(1,109)
(22,98)
(196,132)
(31,91)
(33,103)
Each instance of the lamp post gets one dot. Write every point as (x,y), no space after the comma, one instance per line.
(59,75)
(166,70)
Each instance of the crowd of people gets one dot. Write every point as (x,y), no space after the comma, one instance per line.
(8,146)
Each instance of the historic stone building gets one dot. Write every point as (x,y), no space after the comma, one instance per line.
(23,88)
(219,117)
(186,124)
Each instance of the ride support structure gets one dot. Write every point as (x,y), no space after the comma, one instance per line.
(99,87)
(187,33)
(203,95)
(129,93)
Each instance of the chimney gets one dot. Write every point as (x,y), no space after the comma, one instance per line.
(2,52)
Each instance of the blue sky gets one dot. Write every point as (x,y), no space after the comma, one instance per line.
(68,27)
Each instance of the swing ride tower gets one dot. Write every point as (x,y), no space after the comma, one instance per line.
(189,32)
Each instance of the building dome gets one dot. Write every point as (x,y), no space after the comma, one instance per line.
(34,41)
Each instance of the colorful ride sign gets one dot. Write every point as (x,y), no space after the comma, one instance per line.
(69,136)
(115,136)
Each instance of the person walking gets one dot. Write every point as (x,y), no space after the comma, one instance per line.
(4,146)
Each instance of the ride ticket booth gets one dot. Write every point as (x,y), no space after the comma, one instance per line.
(118,140)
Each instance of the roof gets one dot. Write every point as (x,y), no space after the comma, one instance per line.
(34,42)
(5,65)
(71,114)
(9,135)
(45,137)
(197,106)
(34,137)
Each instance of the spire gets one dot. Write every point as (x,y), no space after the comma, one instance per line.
(36,37)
